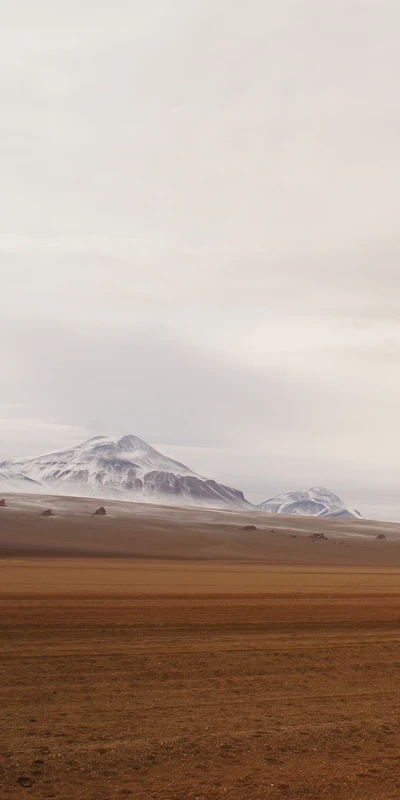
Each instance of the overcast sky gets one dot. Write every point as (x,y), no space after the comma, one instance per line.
(200,239)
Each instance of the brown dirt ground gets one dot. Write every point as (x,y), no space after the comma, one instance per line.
(198,681)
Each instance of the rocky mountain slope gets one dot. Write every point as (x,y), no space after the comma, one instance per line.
(126,468)
(315,502)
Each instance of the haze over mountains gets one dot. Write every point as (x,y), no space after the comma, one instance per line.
(130,469)
(15,482)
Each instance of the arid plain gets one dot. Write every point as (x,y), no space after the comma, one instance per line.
(170,654)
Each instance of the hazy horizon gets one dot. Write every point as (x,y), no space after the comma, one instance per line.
(199,237)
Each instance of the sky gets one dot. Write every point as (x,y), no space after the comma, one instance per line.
(199,236)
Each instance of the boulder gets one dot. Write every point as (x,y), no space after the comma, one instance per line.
(48,513)
(249,528)
(25,782)
(317,537)
(3,503)
(101,512)
(381,536)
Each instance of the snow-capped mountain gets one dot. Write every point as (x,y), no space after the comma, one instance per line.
(316,502)
(15,482)
(126,468)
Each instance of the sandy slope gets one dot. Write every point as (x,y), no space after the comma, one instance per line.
(140,530)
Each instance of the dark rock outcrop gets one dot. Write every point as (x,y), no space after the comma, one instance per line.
(248,528)
(3,503)
(101,512)
(381,536)
(317,537)
(48,513)
(190,488)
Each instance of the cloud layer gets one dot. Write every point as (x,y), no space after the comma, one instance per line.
(199,236)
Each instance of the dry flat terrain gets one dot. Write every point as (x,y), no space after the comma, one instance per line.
(185,678)
(145,531)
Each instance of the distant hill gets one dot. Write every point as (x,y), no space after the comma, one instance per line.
(316,502)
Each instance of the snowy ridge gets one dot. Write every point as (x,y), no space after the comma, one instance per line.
(15,482)
(315,502)
(126,468)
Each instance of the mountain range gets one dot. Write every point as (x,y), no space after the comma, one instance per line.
(130,469)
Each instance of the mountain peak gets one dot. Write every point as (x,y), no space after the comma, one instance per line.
(125,467)
(129,440)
